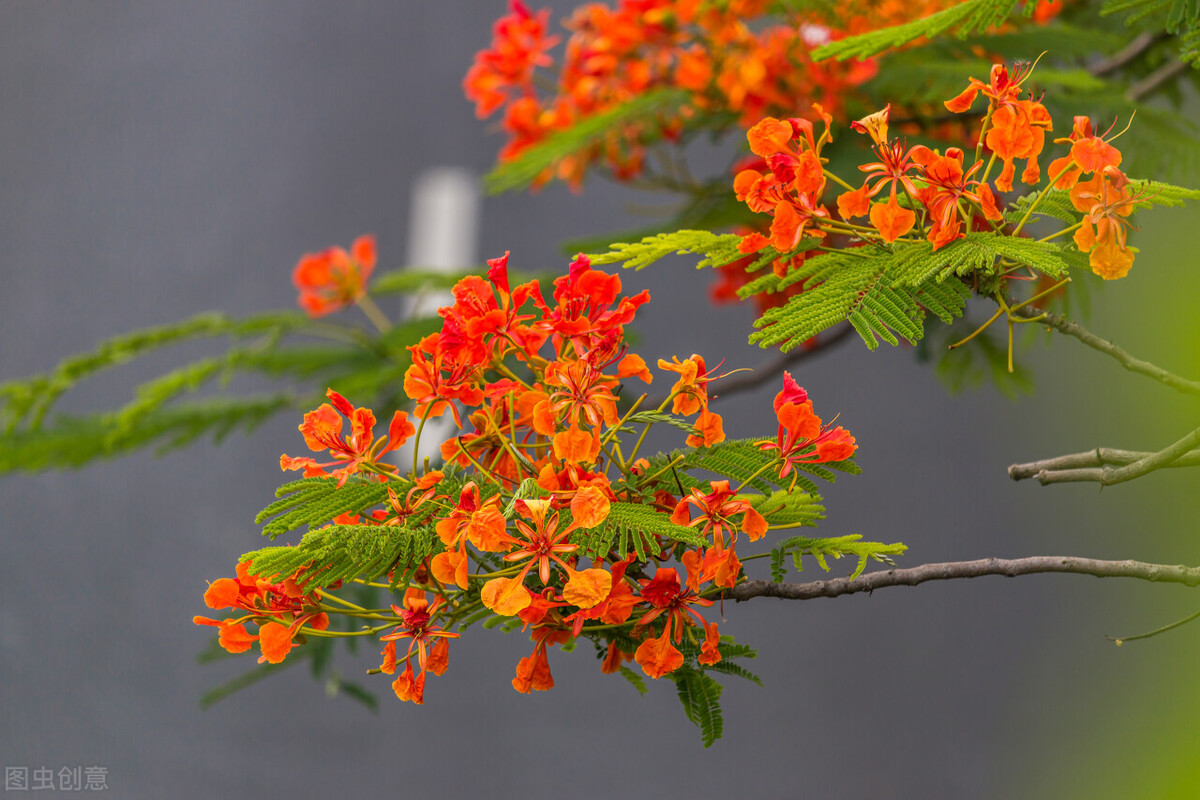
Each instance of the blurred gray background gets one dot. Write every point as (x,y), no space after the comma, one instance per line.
(162,159)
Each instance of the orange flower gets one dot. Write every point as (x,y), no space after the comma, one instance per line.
(431,643)
(1106,202)
(892,220)
(1089,153)
(1018,131)
(533,671)
(589,506)
(691,390)
(359,451)
(717,510)
(874,125)
(769,136)
(577,446)
(801,438)
(666,597)
(519,45)
(265,603)
(710,430)
(947,187)
(333,278)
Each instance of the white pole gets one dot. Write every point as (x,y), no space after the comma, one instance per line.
(443,230)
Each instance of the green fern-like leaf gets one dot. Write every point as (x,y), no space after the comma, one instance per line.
(976,252)
(860,284)
(964,18)
(634,679)
(321,501)
(341,552)
(631,527)
(789,509)
(73,442)
(717,249)
(700,696)
(1179,17)
(835,547)
(737,459)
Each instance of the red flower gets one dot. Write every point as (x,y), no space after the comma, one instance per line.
(333,278)
(801,438)
(658,655)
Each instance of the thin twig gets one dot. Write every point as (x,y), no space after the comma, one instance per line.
(752,379)
(1154,81)
(1074,329)
(1120,640)
(772,369)
(1099,457)
(1138,45)
(1011,568)
(1108,475)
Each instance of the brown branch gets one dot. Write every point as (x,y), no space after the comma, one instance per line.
(1138,45)
(752,379)
(1060,324)
(1108,475)
(1100,457)
(765,372)
(1011,568)
(1154,81)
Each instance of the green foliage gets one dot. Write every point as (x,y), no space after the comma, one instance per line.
(411,281)
(634,679)
(316,501)
(860,290)
(1178,17)
(655,417)
(788,508)
(341,552)
(364,369)
(964,19)
(631,527)
(535,159)
(835,547)
(1157,193)
(717,249)
(73,442)
(700,695)
(28,401)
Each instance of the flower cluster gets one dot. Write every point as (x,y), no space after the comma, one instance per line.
(913,191)
(542,489)
(728,56)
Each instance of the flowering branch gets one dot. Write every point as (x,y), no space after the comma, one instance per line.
(1093,466)
(1011,568)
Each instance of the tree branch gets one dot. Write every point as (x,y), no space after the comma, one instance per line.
(1138,45)
(1100,457)
(1011,568)
(773,368)
(1108,475)
(1154,81)
(752,379)
(1060,324)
